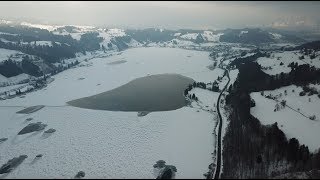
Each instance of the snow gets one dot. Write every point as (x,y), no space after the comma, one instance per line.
(120,146)
(106,144)
(116,32)
(154,61)
(13,87)
(283,44)
(108,34)
(40,26)
(75,36)
(3,78)
(6,53)
(4,40)
(241,48)
(134,43)
(233,74)
(37,43)
(2,21)
(209,44)
(207,99)
(286,58)
(210,36)
(42,43)
(248,54)
(179,43)
(15,79)
(276,35)
(292,123)
(243,32)
(8,34)
(189,36)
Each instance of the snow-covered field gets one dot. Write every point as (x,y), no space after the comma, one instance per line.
(189,36)
(107,144)
(292,123)
(6,53)
(207,99)
(14,79)
(13,87)
(286,58)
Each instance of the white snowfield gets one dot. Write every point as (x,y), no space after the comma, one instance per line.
(106,144)
(5,54)
(276,35)
(40,26)
(42,43)
(286,58)
(189,36)
(242,32)
(292,123)
(210,36)
(10,88)
(14,79)
(2,21)
(207,99)
(207,35)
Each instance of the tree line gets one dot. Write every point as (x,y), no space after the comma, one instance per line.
(253,150)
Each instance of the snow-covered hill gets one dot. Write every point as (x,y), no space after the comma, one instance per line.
(293,119)
(6,54)
(278,61)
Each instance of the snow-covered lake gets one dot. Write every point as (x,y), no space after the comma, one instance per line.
(107,144)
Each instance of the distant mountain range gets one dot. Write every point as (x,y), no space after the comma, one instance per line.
(35,48)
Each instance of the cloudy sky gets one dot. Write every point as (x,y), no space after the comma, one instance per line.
(166,14)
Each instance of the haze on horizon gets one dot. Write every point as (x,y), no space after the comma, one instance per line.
(168,14)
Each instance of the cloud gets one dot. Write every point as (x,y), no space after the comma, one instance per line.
(163,14)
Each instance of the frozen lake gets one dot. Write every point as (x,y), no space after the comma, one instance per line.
(114,144)
(161,92)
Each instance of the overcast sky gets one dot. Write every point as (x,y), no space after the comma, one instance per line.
(165,14)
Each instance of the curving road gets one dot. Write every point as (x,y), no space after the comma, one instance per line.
(218,167)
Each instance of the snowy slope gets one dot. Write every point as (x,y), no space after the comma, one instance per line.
(42,43)
(40,26)
(15,79)
(175,43)
(242,32)
(272,65)
(207,35)
(189,36)
(6,53)
(210,36)
(291,122)
(108,144)
(13,87)
(276,35)
(207,99)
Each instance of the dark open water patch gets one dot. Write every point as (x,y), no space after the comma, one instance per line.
(161,92)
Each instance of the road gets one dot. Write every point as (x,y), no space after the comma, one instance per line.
(218,167)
